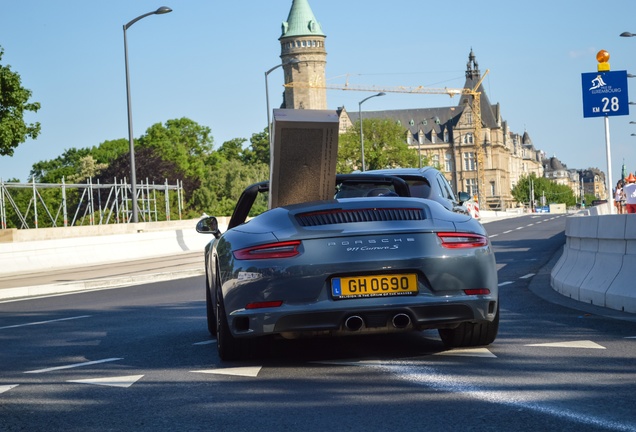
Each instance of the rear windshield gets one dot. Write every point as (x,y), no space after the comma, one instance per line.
(419,188)
(356,190)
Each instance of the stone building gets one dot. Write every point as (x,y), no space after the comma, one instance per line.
(593,180)
(445,137)
(558,172)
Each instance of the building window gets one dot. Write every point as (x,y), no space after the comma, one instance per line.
(468,138)
(435,160)
(446,137)
(448,162)
(469,118)
(469,161)
(433,137)
(492,189)
(471,186)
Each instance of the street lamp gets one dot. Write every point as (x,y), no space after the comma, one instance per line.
(133,175)
(269,124)
(361,133)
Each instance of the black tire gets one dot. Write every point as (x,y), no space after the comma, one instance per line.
(229,347)
(471,334)
(209,309)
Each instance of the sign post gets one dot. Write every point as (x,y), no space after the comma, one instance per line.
(604,95)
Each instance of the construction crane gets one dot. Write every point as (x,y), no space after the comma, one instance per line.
(475,107)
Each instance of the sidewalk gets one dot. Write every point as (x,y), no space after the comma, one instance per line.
(111,275)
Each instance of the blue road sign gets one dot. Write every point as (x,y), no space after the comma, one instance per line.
(605,94)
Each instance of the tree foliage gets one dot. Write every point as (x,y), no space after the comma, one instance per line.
(543,187)
(67,165)
(14,102)
(384,147)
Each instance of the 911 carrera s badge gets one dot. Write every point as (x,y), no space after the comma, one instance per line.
(380,244)
(248,276)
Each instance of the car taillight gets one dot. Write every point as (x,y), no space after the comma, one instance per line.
(454,240)
(477,291)
(265,304)
(272,250)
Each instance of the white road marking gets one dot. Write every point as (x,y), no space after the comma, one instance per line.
(505,283)
(44,322)
(506,232)
(207,342)
(468,352)
(432,378)
(494,235)
(249,371)
(529,275)
(6,388)
(74,365)
(572,344)
(122,381)
(519,228)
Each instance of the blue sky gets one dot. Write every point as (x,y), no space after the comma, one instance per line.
(206,61)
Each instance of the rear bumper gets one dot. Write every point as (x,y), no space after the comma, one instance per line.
(383,319)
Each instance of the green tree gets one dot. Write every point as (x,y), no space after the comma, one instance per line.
(221,188)
(232,149)
(182,141)
(110,150)
(62,167)
(14,102)
(384,147)
(543,187)
(258,151)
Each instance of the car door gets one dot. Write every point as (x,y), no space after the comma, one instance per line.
(447,193)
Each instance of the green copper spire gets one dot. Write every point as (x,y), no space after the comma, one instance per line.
(301,21)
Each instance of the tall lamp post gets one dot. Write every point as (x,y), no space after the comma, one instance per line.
(361,132)
(133,175)
(269,123)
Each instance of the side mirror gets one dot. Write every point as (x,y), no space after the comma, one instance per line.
(463,197)
(209,225)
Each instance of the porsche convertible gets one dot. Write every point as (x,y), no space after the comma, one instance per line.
(372,260)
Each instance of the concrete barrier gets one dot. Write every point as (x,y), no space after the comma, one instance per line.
(598,261)
(52,248)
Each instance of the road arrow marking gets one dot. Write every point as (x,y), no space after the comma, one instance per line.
(208,342)
(468,352)
(7,388)
(74,365)
(249,371)
(573,344)
(122,381)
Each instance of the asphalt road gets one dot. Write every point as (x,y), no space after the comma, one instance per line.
(140,358)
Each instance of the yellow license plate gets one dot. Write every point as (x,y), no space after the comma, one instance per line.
(374,286)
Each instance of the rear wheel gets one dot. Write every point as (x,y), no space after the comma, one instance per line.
(209,308)
(471,334)
(229,347)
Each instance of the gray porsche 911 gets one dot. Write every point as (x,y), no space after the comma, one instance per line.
(378,262)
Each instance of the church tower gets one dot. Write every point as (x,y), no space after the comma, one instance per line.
(303,44)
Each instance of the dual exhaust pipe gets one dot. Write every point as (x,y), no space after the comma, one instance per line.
(355,322)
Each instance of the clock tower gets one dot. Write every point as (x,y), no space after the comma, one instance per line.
(304,58)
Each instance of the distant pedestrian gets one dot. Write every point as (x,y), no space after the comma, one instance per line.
(619,197)
(630,193)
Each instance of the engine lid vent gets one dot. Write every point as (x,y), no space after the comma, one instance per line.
(340,216)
